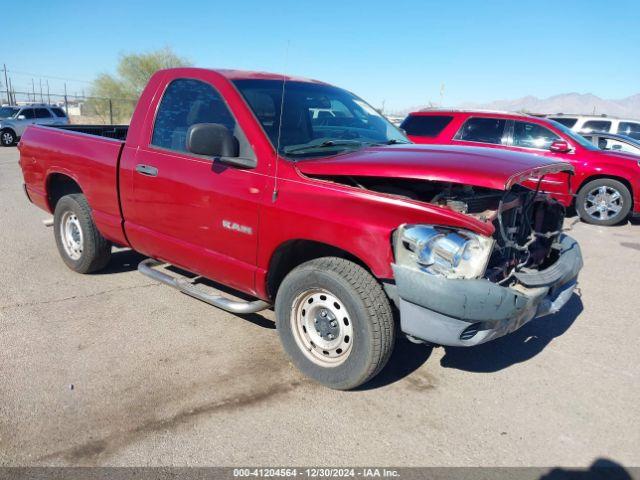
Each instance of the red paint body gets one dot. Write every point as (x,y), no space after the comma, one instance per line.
(178,215)
(588,164)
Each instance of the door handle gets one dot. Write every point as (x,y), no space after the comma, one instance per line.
(147,170)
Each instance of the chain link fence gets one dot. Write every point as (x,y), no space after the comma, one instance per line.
(84,110)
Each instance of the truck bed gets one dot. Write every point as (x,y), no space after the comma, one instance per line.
(87,155)
(118,132)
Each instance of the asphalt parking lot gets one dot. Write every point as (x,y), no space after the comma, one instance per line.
(115,369)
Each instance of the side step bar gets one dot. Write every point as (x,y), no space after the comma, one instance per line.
(146,268)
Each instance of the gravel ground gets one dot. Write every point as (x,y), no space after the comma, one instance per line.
(115,369)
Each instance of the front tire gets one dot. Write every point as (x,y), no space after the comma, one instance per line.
(335,322)
(8,137)
(603,201)
(82,247)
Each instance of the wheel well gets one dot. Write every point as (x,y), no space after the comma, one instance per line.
(295,252)
(622,180)
(59,185)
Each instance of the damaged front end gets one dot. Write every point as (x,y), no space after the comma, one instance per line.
(455,287)
(464,283)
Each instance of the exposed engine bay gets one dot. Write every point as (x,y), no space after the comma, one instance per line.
(527,223)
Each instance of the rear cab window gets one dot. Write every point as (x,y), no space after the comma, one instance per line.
(483,130)
(425,125)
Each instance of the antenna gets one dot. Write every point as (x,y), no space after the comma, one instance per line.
(274,195)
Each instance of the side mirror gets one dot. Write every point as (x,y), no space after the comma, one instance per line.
(616,147)
(21,117)
(212,140)
(559,146)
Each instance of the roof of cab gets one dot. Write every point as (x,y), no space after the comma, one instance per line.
(231,74)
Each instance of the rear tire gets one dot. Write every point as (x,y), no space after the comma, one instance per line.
(8,137)
(82,247)
(335,322)
(604,201)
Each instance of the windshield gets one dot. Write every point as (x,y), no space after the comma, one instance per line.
(574,136)
(6,112)
(317,119)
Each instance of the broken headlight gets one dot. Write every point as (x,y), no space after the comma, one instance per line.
(452,253)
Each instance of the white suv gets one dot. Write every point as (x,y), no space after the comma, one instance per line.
(598,124)
(14,120)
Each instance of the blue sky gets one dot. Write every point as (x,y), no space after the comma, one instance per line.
(399,52)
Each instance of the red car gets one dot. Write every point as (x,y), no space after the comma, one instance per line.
(606,184)
(312,203)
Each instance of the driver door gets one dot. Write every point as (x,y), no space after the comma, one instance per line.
(187,209)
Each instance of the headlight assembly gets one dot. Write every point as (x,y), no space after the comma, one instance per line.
(452,253)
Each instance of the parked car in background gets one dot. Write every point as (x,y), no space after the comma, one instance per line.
(598,124)
(606,184)
(13,126)
(331,218)
(614,142)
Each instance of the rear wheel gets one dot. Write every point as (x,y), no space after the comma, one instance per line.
(82,247)
(603,201)
(335,322)
(7,137)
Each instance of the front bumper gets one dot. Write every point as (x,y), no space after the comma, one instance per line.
(461,312)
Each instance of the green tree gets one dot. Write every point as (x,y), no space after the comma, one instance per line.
(133,73)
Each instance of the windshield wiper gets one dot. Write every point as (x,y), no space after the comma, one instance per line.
(324,144)
(394,141)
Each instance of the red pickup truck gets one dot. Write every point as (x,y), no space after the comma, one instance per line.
(300,195)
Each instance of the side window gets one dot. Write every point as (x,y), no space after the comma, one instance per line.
(185,103)
(485,130)
(58,112)
(596,126)
(630,129)
(27,112)
(425,125)
(567,122)
(532,135)
(43,113)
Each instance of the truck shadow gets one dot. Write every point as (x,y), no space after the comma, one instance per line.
(516,347)
(406,358)
(122,260)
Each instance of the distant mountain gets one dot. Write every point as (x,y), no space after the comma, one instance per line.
(584,103)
